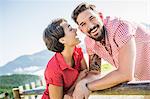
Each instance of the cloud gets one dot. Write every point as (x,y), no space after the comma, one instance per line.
(27,69)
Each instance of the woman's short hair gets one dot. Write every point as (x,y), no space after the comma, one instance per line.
(52,34)
(80,8)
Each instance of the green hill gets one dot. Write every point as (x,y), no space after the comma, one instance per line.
(7,82)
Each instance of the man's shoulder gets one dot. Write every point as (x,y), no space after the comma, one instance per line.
(111,20)
(112,23)
(116,20)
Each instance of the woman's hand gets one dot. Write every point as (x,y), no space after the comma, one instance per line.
(82,74)
(81,91)
(66,96)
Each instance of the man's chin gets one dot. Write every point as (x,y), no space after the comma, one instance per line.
(96,38)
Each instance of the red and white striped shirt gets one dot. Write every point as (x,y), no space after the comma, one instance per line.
(119,33)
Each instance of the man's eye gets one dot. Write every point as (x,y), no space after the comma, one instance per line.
(92,18)
(83,24)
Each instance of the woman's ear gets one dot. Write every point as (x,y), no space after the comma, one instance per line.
(62,40)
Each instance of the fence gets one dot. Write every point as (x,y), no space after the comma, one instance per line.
(33,87)
(4,96)
(136,88)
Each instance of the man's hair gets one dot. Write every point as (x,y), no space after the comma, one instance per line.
(80,8)
(52,34)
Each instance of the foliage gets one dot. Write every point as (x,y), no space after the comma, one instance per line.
(106,68)
(7,82)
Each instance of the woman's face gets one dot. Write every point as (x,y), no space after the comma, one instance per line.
(70,38)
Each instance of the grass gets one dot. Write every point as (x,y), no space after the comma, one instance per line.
(106,68)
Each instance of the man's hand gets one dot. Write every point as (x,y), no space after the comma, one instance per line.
(81,91)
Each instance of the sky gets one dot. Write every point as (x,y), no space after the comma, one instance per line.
(22,21)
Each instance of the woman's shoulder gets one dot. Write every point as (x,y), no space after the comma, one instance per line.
(52,64)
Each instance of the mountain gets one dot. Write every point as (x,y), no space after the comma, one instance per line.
(27,63)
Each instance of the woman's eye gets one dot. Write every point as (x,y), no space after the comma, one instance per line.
(71,29)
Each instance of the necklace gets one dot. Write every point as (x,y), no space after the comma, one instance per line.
(72,62)
(106,42)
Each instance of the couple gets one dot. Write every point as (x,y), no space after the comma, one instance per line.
(123,44)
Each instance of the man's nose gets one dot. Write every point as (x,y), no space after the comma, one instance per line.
(90,25)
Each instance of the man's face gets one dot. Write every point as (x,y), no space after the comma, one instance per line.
(90,23)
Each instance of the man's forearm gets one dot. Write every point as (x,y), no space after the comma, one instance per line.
(112,79)
(94,63)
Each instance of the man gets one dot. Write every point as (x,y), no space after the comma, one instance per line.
(124,45)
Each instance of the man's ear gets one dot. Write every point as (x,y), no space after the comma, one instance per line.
(62,40)
(101,16)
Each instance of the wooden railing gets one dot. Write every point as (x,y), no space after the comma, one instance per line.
(136,88)
(29,91)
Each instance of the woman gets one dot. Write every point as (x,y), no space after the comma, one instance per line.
(67,66)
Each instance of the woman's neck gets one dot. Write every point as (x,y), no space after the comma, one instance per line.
(67,53)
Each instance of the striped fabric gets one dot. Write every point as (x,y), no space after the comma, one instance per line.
(119,33)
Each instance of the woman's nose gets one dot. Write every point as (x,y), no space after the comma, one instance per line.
(75,29)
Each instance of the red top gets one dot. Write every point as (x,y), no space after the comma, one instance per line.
(60,74)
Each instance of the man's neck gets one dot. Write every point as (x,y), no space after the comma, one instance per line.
(102,37)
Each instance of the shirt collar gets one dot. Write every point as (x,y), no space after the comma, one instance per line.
(61,61)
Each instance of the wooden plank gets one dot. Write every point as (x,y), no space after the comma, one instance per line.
(121,89)
(35,91)
(127,89)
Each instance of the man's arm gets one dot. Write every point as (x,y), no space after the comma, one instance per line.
(127,55)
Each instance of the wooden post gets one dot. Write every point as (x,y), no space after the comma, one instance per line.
(16,93)
(20,89)
(32,85)
(38,83)
(6,96)
(27,86)
(41,82)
